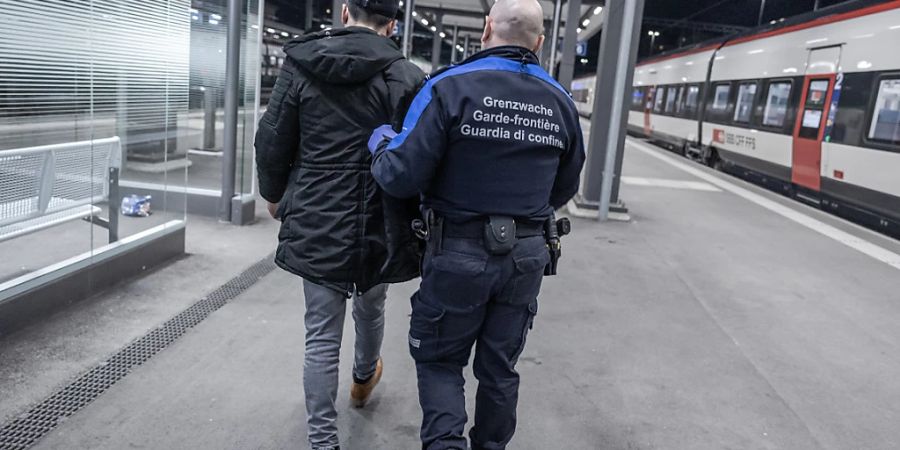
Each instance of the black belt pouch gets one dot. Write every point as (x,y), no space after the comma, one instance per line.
(499,235)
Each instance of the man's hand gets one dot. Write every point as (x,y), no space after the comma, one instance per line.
(273,209)
(381,133)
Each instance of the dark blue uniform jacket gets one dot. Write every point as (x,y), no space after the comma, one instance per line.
(495,135)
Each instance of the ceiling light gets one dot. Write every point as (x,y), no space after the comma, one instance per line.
(270,30)
(216,16)
(443,35)
(434,29)
(285,33)
(586,23)
(578,30)
(598,10)
(213,22)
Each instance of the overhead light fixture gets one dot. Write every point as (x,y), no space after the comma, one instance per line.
(586,23)
(254,26)
(434,29)
(425,22)
(598,10)
(285,33)
(213,22)
(415,14)
(578,30)
(270,30)
(443,35)
(216,16)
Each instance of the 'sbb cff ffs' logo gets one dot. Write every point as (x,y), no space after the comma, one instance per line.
(719,136)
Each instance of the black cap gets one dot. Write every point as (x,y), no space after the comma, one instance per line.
(387,8)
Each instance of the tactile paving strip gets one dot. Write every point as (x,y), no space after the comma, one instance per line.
(28,428)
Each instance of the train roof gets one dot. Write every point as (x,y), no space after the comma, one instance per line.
(831,14)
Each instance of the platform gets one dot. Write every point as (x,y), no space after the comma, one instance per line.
(721,316)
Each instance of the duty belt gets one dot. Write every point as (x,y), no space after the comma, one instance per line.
(474,229)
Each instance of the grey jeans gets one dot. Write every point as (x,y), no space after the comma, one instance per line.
(325,312)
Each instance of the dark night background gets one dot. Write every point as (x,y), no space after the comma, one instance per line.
(743,13)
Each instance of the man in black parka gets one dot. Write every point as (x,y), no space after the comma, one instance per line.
(340,232)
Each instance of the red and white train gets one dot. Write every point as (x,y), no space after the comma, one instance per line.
(810,107)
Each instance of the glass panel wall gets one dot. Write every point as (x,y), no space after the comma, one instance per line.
(105,110)
(209,26)
(93,96)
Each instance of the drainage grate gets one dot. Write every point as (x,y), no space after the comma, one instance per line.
(28,428)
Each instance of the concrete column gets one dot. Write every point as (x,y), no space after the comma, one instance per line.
(336,8)
(453,52)
(408,28)
(467,48)
(615,73)
(554,36)
(308,23)
(570,42)
(232,87)
(545,50)
(438,43)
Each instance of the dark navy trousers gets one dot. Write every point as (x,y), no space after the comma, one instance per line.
(470,298)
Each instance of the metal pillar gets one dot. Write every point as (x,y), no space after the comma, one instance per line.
(232,87)
(466,48)
(545,50)
(615,73)
(554,37)
(816,6)
(408,28)
(453,52)
(570,42)
(307,23)
(762,10)
(337,8)
(438,43)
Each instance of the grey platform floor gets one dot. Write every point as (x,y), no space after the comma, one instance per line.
(707,322)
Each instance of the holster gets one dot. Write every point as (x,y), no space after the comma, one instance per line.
(500,235)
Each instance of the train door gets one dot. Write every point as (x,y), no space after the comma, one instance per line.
(818,87)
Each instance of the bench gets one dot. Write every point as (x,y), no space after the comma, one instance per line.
(41,187)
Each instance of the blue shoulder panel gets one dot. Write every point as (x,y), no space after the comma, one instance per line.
(423,99)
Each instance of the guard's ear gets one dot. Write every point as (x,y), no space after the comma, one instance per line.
(540,43)
(488,30)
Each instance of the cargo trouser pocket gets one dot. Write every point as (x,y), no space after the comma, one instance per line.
(529,325)
(424,330)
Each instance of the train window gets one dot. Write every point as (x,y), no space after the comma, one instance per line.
(818,92)
(637,99)
(693,99)
(746,94)
(658,99)
(886,117)
(671,96)
(720,99)
(679,104)
(777,104)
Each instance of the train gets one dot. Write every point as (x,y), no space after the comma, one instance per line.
(809,107)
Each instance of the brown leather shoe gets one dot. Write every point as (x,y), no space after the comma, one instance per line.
(360,393)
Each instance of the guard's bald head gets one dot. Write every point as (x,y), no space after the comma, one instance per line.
(515,22)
